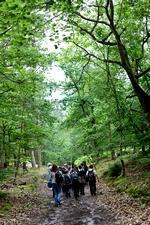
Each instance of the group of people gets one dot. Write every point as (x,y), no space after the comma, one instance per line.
(68,179)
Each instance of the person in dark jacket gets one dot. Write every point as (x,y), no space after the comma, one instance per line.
(91,175)
(81,177)
(75,182)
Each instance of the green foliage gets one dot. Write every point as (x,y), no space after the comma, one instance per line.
(3,195)
(137,191)
(135,183)
(6,173)
(146,175)
(86,158)
(101,117)
(114,170)
(5,207)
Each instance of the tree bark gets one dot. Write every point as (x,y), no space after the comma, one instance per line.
(123,168)
(39,157)
(33,159)
(143,97)
(2,155)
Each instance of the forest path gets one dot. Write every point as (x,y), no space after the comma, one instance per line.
(106,208)
(84,211)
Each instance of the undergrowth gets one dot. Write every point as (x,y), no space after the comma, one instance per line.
(137,180)
(6,173)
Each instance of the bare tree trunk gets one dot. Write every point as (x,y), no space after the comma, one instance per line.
(2,155)
(110,141)
(33,159)
(144,150)
(17,163)
(123,168)
(39,157)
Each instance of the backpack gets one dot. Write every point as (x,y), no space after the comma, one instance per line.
(67,180)
(59,178)
(91,176)
(74,177)
(81,176)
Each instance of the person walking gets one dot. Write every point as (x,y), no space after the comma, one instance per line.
(91,176)
(81,177)
(57,179)
(67,184)
(75,182)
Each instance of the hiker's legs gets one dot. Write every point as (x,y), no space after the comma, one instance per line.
(76,191)
(94,188)
(91,188)
(81,188)
(57,194)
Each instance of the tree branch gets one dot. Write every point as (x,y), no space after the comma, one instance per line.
(83,68)
(131,96)
(5,31)
(100,42)
(111,10)
(144,40)
(98,15)
(14,81)
(10,89)
(92,20)
(96,57)
(143,73)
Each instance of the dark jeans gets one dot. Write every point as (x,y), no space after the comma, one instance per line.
(81,188)
(92,188)
(66,190)
(75,187)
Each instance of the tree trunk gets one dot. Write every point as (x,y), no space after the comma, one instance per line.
(39,157)
(33,159)
(123,168)
(144,150)
(143,97)
(3,154)
(112,154)
(17,163)
(24,167)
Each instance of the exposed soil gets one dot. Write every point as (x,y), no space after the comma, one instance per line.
(106,208)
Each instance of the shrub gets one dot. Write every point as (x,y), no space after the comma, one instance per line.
(5,173)
(114,170)
(3,195)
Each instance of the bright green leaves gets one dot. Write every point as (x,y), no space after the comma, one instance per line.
(25,112)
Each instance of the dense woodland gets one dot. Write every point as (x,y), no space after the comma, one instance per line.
(103,49)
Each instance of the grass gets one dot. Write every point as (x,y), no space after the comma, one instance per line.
(5,205)
(26,183)
(6,173)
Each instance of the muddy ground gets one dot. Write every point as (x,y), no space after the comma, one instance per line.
(106,208)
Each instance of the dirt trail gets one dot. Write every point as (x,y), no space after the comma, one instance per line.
(106,208)
(85,211)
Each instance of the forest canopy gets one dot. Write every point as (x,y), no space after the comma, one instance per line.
(103,49)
